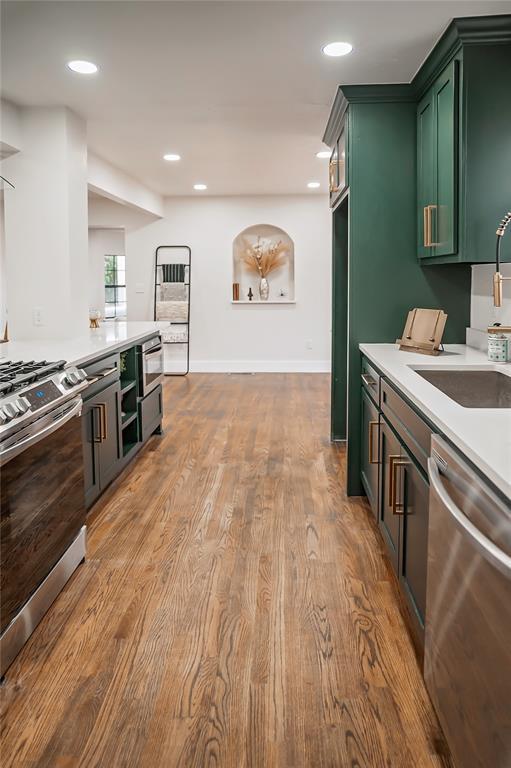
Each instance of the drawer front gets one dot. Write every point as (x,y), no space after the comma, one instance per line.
(412,429)
(106,370)
(150,410)
(371,381)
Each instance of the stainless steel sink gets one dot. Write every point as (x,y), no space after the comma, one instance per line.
(471,389)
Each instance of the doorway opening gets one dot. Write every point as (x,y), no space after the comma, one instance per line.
(340,321)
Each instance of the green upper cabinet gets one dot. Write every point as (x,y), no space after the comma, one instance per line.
(463,146)
(338,176)
(437,182)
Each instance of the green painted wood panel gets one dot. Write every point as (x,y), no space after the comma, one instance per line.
(386,279)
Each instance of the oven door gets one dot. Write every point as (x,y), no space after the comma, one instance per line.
(152,365)
(42,503)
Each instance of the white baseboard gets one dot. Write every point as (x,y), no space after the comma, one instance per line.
(257,366)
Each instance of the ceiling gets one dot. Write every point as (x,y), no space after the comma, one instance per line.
(239,89)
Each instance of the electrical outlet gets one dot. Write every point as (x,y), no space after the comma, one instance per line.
(308,344)
(37,316)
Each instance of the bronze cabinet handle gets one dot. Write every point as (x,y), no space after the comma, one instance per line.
(368,380)
(331,176)
(372,460)
(431,241)
(392,478)
(103,433)
(398,508)
(428,226)
(95,439)
(425,226)
(103,413)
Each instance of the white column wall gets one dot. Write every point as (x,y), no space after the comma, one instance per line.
(46,227)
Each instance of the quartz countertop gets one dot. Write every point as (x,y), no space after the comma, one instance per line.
(80,350)
(482,434)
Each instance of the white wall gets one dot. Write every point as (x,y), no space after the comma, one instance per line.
(482,311)
(101,243)
(3,269)
(226,336)
(10,128)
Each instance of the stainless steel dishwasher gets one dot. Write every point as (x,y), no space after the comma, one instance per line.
(467,662)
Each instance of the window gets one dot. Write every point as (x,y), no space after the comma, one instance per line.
(115,286)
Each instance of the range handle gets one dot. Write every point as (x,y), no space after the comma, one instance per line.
(9,453)
(483,544)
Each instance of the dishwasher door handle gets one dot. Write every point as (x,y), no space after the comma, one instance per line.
(17,448)
(486,547)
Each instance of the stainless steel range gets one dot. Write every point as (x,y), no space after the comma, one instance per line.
(42,511)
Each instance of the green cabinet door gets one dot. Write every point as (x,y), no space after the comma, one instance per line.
(369,444)
(437,168)
(110,445)
(101,441)
(413,489)
(444,214)
(425,173)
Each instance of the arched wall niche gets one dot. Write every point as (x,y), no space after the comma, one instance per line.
(261,238)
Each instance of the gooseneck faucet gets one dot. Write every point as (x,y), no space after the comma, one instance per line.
(498,277)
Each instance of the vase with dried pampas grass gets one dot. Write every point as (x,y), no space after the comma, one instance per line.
(263,258)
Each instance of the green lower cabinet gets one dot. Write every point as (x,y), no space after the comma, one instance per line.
(403,521)
(101,440)
(369,459)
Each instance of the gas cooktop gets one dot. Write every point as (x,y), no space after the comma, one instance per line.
(15,375)
(31,389)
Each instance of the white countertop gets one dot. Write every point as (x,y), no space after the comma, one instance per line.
(482,434)
(98,341)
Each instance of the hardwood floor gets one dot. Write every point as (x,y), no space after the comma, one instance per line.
(236,609)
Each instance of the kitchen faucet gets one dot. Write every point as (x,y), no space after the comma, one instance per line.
(498,277)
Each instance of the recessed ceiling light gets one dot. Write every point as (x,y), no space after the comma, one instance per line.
(324,154)
(171,158)
(200,187)
(313,184)
(83,67)
(337,49)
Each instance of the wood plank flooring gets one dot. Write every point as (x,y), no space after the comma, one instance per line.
(236,609)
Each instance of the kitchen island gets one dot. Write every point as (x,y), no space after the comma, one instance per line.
(122,404)
(109,337)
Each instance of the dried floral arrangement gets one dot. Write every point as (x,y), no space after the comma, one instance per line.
(263,257)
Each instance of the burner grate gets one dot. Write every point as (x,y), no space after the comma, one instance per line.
(17,374)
